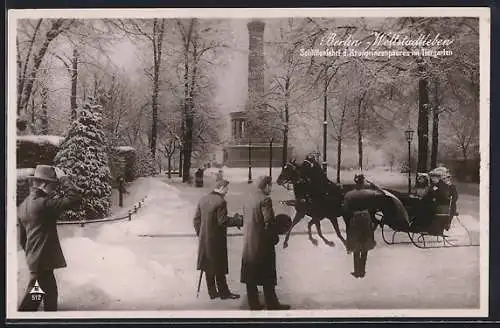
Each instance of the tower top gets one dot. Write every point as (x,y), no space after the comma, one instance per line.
(256,25)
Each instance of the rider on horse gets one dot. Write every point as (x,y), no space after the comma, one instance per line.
(319,179)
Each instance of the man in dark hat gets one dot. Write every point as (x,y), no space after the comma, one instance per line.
(360,228)
(258,264)
(37,216)
(210,223)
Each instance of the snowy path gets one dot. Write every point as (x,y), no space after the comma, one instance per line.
(111,267)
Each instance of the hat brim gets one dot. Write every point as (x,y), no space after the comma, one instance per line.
(41,179)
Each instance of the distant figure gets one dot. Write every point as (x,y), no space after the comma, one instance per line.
(219,176)
(210,223)
(258,263)
(121,190)
(360,230)
(37,216)
(198,177)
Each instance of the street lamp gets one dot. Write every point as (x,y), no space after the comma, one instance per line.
(270,157)
(249,160)
(409,137)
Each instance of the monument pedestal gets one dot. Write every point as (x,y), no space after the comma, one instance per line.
(238,155)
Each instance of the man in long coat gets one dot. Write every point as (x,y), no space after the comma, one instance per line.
(210,223)
(258,264)
(37,216)
(360,227)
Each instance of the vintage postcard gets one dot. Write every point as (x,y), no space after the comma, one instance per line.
(248,163)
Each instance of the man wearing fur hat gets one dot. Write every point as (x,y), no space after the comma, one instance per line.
(258,264)
(37,226)
(210,223)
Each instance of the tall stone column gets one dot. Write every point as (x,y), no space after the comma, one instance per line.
(255,105)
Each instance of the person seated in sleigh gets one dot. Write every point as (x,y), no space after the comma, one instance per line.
(438,204)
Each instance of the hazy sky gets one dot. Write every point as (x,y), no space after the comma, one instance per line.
(231,79)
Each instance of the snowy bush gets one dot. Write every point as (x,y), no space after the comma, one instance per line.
(83,157)
(145,164)
(33,150)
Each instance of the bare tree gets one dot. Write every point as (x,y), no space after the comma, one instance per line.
(37,49)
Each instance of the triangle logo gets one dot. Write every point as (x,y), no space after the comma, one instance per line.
(36,289)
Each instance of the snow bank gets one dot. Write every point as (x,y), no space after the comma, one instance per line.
(42,139)
(114,270)
(164,212)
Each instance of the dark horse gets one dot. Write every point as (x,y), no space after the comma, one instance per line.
(314,198)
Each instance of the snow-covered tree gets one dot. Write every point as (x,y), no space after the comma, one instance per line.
(83,157)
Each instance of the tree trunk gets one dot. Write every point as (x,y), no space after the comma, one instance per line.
(157,50)
(188,145)
(423,122)
(435,127)
(74,83)
(189,95)
(22,78)
(33,116)
(19,79)
(169,166)
(44,119)
(285,128)
(181,151)
(435,138)
(339,157)
(359,126)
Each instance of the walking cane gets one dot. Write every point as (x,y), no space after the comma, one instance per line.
(199,284)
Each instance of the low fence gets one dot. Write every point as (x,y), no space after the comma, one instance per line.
(128,216)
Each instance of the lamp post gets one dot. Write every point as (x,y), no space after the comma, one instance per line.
(325,124)
(249,160)
(409,137)
(270,157)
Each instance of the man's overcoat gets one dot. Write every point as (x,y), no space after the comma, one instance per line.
(210,223)
(37,216)
(258,264)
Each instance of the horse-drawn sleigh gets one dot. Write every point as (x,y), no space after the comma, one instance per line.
(421,217)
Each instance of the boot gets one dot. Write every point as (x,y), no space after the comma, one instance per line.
(229,295)
(272,302)
(253,298)
(362,264)
(355,256)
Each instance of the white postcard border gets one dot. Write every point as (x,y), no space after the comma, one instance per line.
(483,13)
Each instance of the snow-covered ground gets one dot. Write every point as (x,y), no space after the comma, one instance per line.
(149,263)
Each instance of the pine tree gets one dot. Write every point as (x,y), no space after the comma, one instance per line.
(83,157)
